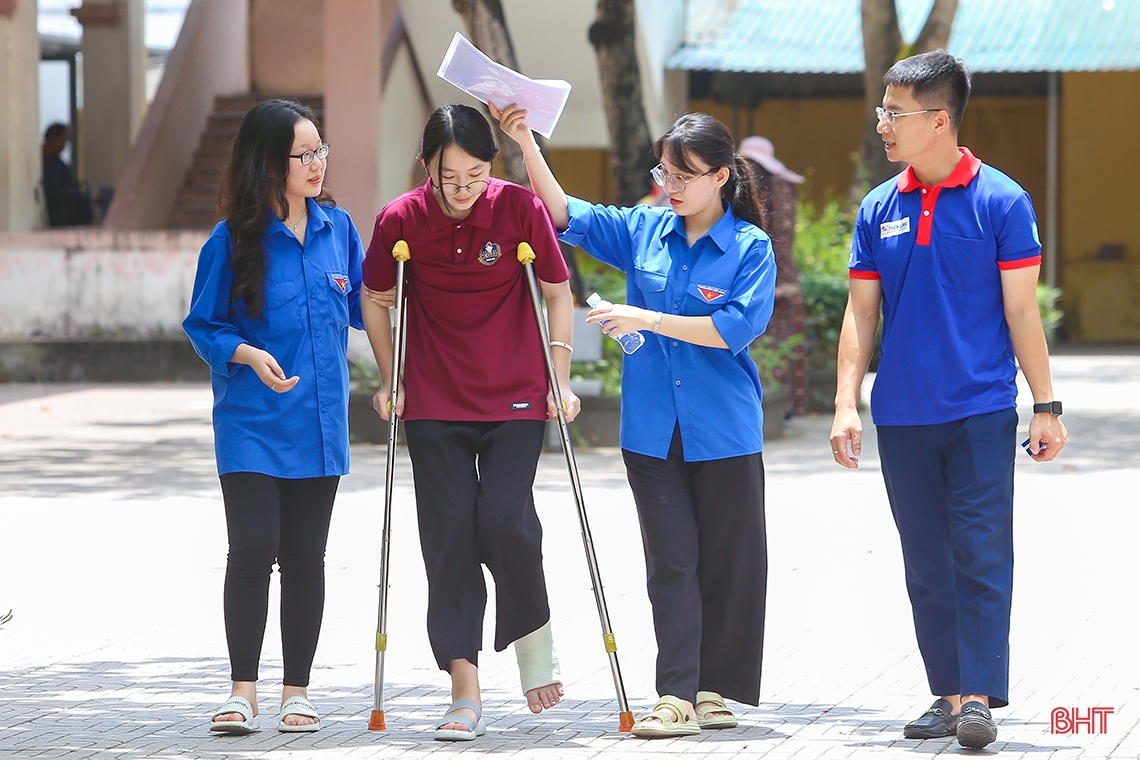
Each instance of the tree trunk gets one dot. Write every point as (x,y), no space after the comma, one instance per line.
(631,147)
(882,47)
(487,27)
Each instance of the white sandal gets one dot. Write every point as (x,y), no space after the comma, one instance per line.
(298,705)
(242,707)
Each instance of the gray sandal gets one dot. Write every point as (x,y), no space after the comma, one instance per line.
(475,726)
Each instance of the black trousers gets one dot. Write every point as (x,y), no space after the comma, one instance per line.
(706,557)
(474,503)
(284,521)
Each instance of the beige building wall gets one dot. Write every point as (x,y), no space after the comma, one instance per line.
(1100,161)
(286,46)
(20,157)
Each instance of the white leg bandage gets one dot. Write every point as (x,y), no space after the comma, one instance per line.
(538,665)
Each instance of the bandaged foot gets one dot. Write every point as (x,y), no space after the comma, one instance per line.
(538,669)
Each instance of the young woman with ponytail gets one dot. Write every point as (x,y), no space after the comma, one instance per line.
(277,287)
(700,282)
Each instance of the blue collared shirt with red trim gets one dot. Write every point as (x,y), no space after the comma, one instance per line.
(729,274)
(946,352)
(311,298)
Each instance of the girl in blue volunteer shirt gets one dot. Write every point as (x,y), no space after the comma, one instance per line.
(700,280)
(278,286)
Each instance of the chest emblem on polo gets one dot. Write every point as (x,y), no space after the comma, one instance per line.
(893,229)
(339,281)
(489,254)
(709,293)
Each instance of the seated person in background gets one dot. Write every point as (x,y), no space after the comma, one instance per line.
(67,203)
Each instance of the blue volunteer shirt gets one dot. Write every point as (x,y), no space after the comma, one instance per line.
(946,352)
(729,274)
(312,297)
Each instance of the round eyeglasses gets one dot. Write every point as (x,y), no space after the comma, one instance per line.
(307,157)
(890,116)
(453,188)
(677,182)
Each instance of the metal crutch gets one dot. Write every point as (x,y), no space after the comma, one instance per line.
(526,257)
(401,253)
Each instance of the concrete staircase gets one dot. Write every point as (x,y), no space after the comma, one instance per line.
(196,203)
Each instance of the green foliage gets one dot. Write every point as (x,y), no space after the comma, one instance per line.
(822,251)
(1051,316)
(770,356)
(609,283)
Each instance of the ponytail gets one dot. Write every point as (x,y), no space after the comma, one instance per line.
(701,136)
(740,190)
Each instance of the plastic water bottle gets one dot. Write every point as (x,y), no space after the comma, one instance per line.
(630,342)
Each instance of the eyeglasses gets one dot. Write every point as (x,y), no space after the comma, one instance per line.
(452,188)
(677,182)
(890,116)
(308,156)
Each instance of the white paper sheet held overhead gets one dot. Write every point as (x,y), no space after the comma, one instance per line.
(466,67)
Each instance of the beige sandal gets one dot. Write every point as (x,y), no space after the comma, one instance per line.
(711,702)
(670,711)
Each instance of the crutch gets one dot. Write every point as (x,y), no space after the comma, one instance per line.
(526,257)
(401,253)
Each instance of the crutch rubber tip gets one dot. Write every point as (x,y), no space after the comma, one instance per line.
(376,722)
(626,724)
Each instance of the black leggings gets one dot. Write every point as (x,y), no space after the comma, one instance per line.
(285,521)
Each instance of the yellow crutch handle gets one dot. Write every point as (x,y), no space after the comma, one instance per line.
(526,253)
(400,251)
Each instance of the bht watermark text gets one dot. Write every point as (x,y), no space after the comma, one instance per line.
(1070,720)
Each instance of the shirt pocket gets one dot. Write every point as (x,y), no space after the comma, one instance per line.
(965,263)
(339,286)
(282,312)
(705,296)
(652,287)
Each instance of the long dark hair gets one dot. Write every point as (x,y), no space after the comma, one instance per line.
(455,125)
(701,136)
(253,183)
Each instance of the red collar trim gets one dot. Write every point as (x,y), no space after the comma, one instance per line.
(964,173)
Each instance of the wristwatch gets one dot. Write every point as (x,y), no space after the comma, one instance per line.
(1050,407)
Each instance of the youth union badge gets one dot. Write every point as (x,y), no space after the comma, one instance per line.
(489,254)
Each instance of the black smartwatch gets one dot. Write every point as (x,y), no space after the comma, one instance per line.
(1051,407)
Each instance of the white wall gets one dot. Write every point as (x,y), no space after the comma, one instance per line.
(78,283)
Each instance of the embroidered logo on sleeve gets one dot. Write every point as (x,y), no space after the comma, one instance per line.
(489,254)
(891,229)
(709,293)
(1036,237)
(339,281)
(520,406)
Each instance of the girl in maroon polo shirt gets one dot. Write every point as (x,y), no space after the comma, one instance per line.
(476,400)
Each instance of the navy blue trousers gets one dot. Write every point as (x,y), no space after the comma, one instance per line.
(951,492)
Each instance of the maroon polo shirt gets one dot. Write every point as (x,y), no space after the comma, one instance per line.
(473,348)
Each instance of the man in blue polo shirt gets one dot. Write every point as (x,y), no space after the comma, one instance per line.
(949,251)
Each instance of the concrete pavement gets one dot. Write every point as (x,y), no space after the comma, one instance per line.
(112,549)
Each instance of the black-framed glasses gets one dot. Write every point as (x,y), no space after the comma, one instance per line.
(678,182)
(453,188)
(890,116)
(307,157)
